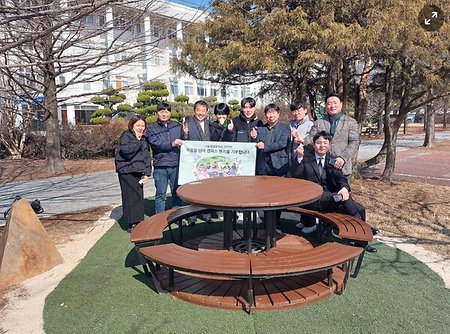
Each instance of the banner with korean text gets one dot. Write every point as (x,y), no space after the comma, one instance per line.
(206,159)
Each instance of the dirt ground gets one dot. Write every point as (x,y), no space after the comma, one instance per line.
(27,169)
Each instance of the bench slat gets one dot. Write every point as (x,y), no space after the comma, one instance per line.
(321,257)
(349,227)
(151,228)
(186,211)
(206,262)
(222,262)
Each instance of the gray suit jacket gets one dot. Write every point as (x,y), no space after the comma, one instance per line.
(345,142)
(195,132)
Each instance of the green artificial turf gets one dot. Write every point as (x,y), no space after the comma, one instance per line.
(108,293)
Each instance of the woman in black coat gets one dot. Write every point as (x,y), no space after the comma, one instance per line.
(134,168)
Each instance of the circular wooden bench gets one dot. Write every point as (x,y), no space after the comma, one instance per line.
(251,266)
(350,229)
(150,230)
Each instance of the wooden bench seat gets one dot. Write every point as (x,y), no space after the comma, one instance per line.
(324,256)
(150,230)
(350,229)
(250,266)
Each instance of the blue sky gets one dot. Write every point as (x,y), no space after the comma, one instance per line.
(192,3)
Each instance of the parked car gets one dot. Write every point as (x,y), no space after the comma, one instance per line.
(411,117)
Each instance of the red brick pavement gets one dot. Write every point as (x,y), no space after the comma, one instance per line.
(419,164)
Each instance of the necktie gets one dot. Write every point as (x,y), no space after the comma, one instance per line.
(319,163)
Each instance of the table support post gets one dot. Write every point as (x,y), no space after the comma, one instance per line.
(228,229)
(248,230)
(270,218)
(254,224)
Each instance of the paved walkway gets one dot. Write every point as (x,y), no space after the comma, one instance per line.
(83,191)
(413,162)
(68,193)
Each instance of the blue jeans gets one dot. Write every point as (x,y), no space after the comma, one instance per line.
(163,177)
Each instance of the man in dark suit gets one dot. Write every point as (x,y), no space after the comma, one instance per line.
(198,128)
(273,143)
(319,168)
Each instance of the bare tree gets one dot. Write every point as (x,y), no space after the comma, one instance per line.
(47,46)
(15,121)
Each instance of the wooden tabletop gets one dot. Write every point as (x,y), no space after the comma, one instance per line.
(250,192)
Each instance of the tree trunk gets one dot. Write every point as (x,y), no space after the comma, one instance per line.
(429,129)
(361,98)
(345,82)
(390,136)
(53,160)
(444,121)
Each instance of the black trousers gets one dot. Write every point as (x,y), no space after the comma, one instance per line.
(327,203)
(132,197)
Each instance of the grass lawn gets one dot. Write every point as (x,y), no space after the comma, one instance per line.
(108,293)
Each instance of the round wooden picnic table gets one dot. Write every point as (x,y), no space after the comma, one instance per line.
(250,193)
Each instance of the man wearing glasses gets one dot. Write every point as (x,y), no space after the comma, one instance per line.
(300,124)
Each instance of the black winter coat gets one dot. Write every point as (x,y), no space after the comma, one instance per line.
(133,155)
(242,128)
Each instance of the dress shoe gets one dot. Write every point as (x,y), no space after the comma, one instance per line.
(209,221)
(371,249)
(131,227)
(375,231)
(191,223)
(309,229)
(300,225)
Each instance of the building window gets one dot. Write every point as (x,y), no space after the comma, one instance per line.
(90,20)
(214,91)
(172,32)
(83,114)
(245,92)
(174,87)
(106,82)
(62,80)
(83,117)
(201,90)
(159,60)
(156,31)
(101,20)
(140,28)
(188,88)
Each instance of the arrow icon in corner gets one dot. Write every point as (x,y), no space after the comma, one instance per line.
(431,18)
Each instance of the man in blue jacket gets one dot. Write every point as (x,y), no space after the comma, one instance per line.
(164,139)
(273,143)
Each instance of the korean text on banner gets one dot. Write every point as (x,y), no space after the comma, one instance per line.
(206,159)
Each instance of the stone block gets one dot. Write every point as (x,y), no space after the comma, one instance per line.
(26,249)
